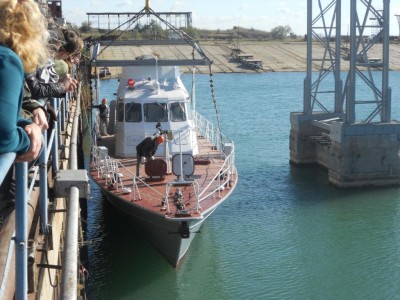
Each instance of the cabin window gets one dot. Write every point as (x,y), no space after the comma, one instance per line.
(155,112)
(120,112)
(177,112)
(133,112)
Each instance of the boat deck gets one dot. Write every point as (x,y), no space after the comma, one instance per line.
(150,192)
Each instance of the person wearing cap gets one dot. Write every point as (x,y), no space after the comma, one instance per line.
(104,111)
(146,149)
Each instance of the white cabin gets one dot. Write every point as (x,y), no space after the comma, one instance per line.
(148,95)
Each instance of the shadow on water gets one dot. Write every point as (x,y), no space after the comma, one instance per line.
(120,250)
(311,184)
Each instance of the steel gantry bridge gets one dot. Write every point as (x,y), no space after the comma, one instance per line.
(110,20)
(346,124)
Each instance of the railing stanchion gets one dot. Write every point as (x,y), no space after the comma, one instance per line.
(62,114)
(43,186)
(54,148)
(21,231)
(59,113)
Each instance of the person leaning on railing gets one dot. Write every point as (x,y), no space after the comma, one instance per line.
(52,79)
(23,47)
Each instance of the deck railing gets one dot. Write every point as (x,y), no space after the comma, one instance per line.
(19,239)
(109,168)
(226,146)
(213,135)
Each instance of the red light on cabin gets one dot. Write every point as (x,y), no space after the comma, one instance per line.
(131,83)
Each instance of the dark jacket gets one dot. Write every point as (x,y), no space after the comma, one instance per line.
(40,90)
(147,147)
(103,109)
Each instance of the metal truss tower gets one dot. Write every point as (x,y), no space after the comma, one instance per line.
(321,93)
(323,28)
(376,105)
(346,126)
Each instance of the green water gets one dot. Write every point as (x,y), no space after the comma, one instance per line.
(285,232)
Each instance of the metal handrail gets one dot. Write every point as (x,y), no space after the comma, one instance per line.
(207,130)
(98,164)
(218,139)
(23,194)
(226,168)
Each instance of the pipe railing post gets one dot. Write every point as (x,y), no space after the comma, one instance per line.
(43,186)
(67,102)
(21,231)
(62,113)
(59,112)
(54,148)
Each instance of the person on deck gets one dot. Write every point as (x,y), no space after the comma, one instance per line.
(146,149)
(104,111)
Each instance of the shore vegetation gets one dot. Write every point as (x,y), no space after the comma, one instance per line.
(154,31)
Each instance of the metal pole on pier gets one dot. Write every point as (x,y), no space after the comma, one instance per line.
(386,90)
(307,81)
(54,149)
(21,231)
(43,186)
(70,259)
(351,87)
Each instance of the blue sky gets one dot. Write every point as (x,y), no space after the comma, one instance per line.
(223,14)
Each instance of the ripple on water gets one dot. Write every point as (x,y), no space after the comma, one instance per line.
(284,233)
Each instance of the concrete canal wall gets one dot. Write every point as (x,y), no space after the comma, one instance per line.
(276,56)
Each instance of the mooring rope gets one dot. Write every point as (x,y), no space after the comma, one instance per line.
(214,99)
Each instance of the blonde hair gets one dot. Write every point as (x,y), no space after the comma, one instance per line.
(23,28)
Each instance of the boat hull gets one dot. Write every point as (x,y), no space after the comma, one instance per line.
(164,234)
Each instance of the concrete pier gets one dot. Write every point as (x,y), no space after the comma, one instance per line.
(354,154)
